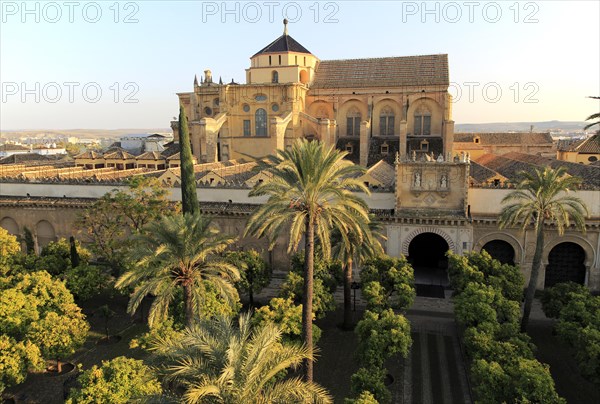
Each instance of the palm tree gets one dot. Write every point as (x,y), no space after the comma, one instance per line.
(595,116)
(355,252)
(542,198)
(213,361)
(179,252)
(310,191)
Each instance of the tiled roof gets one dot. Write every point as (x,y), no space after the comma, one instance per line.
(511,164)
(284,43)
(383,72)
(90,154)
(505,138)
(118,154)
(481,174)
(171,150)
(589,145)
(151,155)
(383,172)
(505,166)
(25,157)
(590,174)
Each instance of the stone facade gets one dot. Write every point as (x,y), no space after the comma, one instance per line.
(372,107)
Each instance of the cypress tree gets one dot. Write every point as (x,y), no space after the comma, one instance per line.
(74,253)
(189,199)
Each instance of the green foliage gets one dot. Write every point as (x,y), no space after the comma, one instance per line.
(579,325)
(87,281)
(38,318)
(371,380)
(84,281)
(519,381)
(366,397)
(481,267)
(215,361)
(164,330)
(493,346)
(287,315)
(382,335)
(58,336)
(310,193)
(112,219)
(255,274)
(388,282)
(180,252)
(75,260)
(9,251)
(29,241)
(323,299)
(327,270)
(553,299)
(189,198)
(480,303)
(118,381)
(542,197)
(487,303)
(16,358)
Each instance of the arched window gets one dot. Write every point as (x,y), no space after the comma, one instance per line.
(274,77)
(260,122)
(386,122)
(422,122)
(353,122)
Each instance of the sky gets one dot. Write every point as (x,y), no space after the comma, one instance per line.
(119,64)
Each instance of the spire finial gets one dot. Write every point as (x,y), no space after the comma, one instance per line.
(195,80)
(285,23)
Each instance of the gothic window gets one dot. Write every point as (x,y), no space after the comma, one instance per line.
(274,77)
(269,60)
(386,122)
(280,59)
(422,122)
(247,131)
(260,122)
(353,123)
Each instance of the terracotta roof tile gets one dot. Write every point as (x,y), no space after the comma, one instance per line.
(481,174)
(589,145)
(151,155)
(383,72)
(505,138)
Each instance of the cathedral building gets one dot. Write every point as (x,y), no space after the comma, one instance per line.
(372,108)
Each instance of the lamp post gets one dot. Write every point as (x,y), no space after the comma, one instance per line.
(354,286)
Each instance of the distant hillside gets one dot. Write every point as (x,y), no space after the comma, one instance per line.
(547,126)
(81,133)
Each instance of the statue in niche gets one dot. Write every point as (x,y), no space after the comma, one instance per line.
(417,182)
(444,181)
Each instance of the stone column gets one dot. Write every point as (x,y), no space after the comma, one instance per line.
(402,141)
(448,136)
(365,127)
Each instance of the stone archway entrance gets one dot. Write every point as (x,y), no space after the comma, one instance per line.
(566,262)
(427,254)
(501,250)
